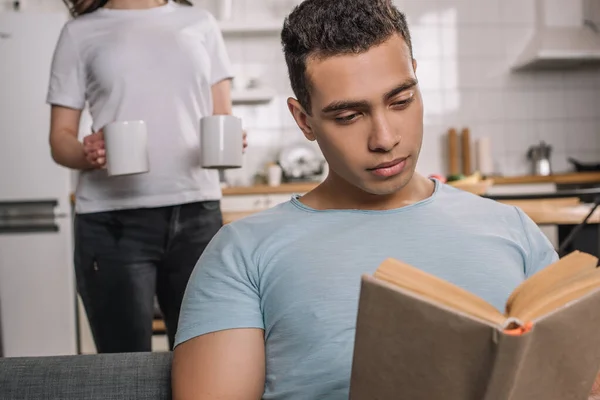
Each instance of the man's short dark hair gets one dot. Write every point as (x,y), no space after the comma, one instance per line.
(325,28)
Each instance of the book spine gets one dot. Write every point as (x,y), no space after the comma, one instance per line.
(510,352)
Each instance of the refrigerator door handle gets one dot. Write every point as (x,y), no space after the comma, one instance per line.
(28,217)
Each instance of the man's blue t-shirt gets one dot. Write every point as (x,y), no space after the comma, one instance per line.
(295,272)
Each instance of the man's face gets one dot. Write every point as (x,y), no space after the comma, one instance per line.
(367,116)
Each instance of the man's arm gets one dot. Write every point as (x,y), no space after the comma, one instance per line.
(223,365)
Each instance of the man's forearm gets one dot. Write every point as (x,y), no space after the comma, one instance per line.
(67,151)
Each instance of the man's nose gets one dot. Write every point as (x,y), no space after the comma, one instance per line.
(384,137)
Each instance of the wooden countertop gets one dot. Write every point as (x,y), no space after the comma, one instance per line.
(571,178)
(568,211)
(284,188)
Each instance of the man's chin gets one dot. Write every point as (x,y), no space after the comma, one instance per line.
(386,188)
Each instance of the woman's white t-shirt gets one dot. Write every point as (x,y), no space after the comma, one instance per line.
(156,65)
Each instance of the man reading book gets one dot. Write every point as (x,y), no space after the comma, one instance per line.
(270,310)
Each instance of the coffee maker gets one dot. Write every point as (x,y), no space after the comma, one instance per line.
(539,156)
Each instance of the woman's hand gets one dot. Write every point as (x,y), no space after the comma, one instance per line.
(93,147)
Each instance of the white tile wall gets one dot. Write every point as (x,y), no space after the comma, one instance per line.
(464,49)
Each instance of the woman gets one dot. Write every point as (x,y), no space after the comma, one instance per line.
(138,236)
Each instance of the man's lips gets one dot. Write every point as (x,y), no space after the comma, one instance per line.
(390,168)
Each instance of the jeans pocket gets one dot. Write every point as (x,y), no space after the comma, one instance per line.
(214,205)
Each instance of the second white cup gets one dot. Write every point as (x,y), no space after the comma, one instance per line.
(126,144)
(221,142)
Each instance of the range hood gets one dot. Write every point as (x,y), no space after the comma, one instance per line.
(570,41)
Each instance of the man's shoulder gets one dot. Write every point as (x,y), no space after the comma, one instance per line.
(464,199)
(469,207)
(264,222)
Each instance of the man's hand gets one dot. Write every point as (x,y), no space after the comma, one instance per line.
(95,152)
(595,393)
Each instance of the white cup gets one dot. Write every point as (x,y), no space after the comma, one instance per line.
(221,142)
(274,174)
(126,144)
(225,10)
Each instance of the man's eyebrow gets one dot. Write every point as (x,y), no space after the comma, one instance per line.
(401,88)
(342,105)
(345,105)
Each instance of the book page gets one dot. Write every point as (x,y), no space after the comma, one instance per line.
(572,266)
(560,297)
(438,290)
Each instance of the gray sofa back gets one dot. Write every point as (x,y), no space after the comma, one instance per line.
(144,376)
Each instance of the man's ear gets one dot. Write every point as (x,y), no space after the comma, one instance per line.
(301,117)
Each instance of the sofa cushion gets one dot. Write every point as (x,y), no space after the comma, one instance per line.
(130,376)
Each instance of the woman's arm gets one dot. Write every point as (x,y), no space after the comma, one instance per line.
(65,147)
(222,105)
(221,94)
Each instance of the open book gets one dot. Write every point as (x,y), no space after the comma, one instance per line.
(420,337)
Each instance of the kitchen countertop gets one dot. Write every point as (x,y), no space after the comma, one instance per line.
(284,188)
(570,178)
(567,211)
(304,187)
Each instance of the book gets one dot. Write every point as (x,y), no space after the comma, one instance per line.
(420,337)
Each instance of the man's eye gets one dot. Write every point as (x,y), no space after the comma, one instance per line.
(346,118)
(403,103)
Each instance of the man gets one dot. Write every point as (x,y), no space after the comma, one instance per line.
(270,309)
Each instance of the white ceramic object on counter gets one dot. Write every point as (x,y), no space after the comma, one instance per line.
(225,10)
(483,155)
(274,175)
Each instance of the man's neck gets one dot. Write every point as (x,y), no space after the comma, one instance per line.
(134,4)
(336,193)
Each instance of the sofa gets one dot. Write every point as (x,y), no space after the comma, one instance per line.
(126,376)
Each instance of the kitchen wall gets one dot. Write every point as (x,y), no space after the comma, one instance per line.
(464,49)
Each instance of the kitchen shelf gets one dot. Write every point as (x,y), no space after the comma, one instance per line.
(252,96)
(245,27)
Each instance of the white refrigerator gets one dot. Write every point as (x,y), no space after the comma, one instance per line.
(37,284)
